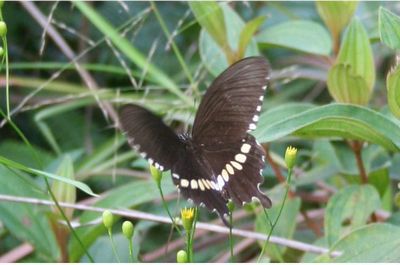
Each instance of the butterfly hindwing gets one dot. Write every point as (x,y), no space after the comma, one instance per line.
(147,133)
(238,170)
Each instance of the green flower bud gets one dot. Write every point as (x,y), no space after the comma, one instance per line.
(231,206)
(156,174)
(397,199)
(181,256)
(3,29)
(187,216)
(290,157)
(127,229)
(1,51)
(108,219)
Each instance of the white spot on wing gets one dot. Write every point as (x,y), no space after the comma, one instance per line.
(225,175)
(261,98)
(184,183)
(264,87)
(221,182)
(230,169)
(175,175)
(258,108)
(201,185)
(255,118)
(236,165)
(241,158)
(252,126)
(245,148)
(193,184)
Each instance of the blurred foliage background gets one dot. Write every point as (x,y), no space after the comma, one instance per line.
(334,95)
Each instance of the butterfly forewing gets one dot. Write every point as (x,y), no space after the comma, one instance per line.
(232,104)
(150,136)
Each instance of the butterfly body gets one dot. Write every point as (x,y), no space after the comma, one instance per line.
(219,160)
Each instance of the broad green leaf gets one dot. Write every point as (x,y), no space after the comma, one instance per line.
(353,204)
(356,51)
(212,55)
(381,181)
(62,191)
(336,14)
(371,243)
(301,35)
(345,87)
(124,45)
(393,91)
(333,120)
(80,185)
(284,228)
(389,28)
(211,18)
(27,222)
(247,34)
(124,197)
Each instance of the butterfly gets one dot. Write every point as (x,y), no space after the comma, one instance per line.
(219,160)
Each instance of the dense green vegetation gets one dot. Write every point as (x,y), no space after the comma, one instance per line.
(67,67)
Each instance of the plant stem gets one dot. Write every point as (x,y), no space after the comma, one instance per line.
(131,250)
(167,210)
(279,215)
(113,245)
(230,235)
(356,146)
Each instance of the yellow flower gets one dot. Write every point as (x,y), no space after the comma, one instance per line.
(290,156)
(187,216)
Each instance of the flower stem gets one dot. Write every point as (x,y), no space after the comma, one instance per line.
(277,218)
(230,235)
(113,245)
(167,210)
(131,250)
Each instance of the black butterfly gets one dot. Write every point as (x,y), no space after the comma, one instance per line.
(219,160)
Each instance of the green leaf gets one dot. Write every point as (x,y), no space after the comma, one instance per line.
(301,35)
(344,206)
(211,18)
(62,191)
(247,34)
(27,222)
(345,87)
(356,51)
(336,14)
(333,120)
(381,181)
(80,185)
(127,196)
(389,28)
(212,55)
(371,243)
(129,51)
(284,228)
(393,91)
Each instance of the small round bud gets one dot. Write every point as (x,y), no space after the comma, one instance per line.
(187,216)
(181,256)
(231,206)
(127,229)
(108,219)
(290,157)
(1,51)
(3,29)
(156,174)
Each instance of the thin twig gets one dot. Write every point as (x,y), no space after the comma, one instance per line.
(163,219)
(107,108)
